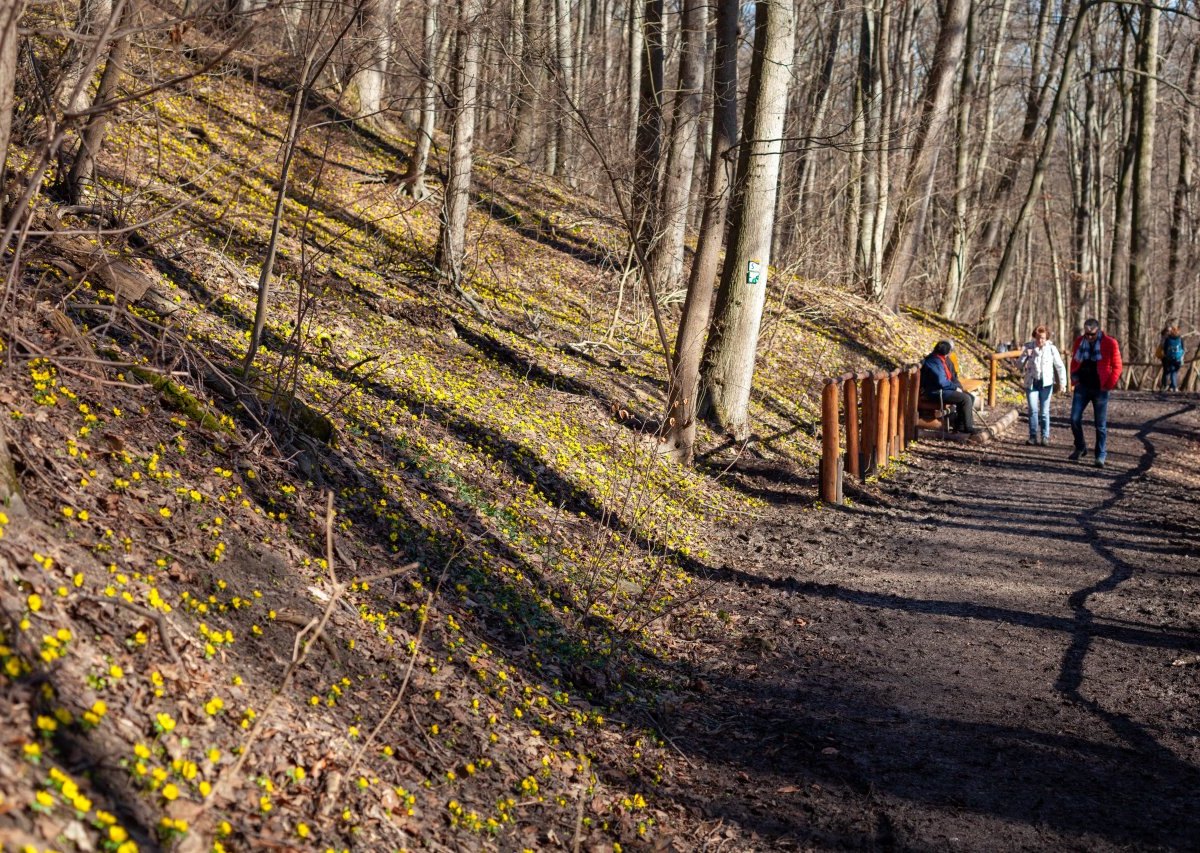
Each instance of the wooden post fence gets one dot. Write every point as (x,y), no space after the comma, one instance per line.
(879,410)
(993,372)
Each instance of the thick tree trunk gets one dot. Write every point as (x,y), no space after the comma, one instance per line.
(909,222)
(1143,169)
(528,72)
(565,75)
(873,96)
(376,36)
(956,261)
(682,397)
(732,345)
(413,181)
(452,243)
(1183,189)
(1115,288)
(666,261)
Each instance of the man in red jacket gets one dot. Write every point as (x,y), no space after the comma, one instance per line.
(1095,369)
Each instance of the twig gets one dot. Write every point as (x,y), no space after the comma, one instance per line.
(156,617)
(299,655)
(307,625)
(412,660)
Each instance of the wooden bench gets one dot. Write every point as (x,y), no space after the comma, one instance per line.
(931,415)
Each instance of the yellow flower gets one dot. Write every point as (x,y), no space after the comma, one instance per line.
(164,723)
(44,799)
(117,834)
(302,830)
(35,602)
(170,791)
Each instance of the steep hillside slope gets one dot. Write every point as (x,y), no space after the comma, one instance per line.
(465,508)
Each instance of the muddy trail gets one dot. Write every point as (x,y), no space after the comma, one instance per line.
(994,649)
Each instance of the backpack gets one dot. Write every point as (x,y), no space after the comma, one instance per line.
(1173,349)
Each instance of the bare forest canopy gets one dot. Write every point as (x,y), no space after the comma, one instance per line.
(465,315)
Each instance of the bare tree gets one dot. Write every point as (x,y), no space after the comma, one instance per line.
(733,340)
(684,389)
(1146,106)
(1183,186)
(10,16)
(452,242)
(91,139)
(909,222)
(413,181)
(666,259)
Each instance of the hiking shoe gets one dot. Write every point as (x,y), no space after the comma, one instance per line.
(1044,440)
(1031,441)
(1099,463)
(1077,454)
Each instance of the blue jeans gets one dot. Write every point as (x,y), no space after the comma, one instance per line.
(1039,410)
(1171,375)
(1099,401)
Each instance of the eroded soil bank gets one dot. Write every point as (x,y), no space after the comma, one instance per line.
(994,649)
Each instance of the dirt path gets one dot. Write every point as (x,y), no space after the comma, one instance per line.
(1000,651)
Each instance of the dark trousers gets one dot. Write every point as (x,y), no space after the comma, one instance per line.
(964,421)
(1079,404)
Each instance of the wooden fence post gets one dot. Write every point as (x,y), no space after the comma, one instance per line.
(883,408)
(850,404)
(869,421)
(914,396)
(831,461)
(992,381)
(902,407)
(894,414)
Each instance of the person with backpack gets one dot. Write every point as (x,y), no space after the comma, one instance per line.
(1095,370)
(1170,351)
(1044,369)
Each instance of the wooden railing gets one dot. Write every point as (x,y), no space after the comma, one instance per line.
(993,371)
(879,410)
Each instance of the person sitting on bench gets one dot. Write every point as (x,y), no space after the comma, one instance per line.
(939,381)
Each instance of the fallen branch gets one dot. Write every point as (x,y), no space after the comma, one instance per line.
(154,616)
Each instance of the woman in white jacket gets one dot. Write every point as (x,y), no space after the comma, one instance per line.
(1043,365)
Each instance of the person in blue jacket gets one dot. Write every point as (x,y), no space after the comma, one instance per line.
(938,375)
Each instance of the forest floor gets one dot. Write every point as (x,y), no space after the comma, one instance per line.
(995,649)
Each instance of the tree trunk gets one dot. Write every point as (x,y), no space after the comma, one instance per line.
(565,75)
(1141,214)
(1115,286)
(987,323)
(956,261)
(909,223)
(92,137)
(666,261)
(730,355)
(82,54)
(10,16)
(682,397)
(637,50)
(413,181)
(376,36)
(649,130)
(1183,189)
(453,240)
